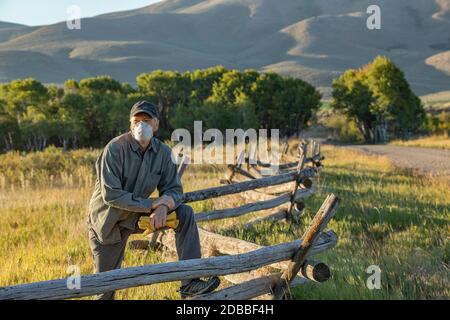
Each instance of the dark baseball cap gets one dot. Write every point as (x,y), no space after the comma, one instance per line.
(146,107)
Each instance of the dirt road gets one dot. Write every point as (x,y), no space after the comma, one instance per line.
(435,162)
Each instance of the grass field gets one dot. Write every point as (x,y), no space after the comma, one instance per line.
(435,141)
(437,101)
(387,217)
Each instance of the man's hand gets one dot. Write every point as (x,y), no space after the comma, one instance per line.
(158,217)
(163,200)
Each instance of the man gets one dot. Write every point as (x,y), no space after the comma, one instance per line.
(129,169)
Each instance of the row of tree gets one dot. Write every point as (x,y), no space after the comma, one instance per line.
(378,97)
(90,112)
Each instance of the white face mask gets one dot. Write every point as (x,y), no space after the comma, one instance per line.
(143,132)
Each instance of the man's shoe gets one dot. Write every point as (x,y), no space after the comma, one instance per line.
(197,286)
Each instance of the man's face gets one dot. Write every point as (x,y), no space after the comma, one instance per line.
(153,122)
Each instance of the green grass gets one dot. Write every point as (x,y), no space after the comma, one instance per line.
(388,217)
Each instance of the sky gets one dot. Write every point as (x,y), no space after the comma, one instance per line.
(40,12)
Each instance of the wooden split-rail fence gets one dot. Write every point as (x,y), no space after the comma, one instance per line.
(254,271)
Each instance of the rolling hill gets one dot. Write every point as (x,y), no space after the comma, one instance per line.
(314,40)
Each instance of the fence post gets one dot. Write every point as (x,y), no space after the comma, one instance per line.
(232,168)
(322,217)
(302,148)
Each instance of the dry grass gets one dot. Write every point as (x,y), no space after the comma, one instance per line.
(435,141)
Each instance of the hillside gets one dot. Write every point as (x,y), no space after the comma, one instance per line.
(437,102)
(313,40)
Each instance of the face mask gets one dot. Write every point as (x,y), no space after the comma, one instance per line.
(143,132)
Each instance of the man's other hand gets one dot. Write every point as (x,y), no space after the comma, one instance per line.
(158,217)
(164,200)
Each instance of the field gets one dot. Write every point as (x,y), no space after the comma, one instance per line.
(388,217)
(438,101)
(435,141)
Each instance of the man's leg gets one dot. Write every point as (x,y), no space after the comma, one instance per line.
(107,257)
(187,239)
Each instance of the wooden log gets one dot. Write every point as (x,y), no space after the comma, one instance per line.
(244,291)
(305,183)
(274,216)
(149,274)
(249,287)
(245,185)
(299,206)
(315,271)
(293,164)
(256,195)
(229,175)
(271,190)
(323,216)
(249,207)
(244,173)
(255,172)
(238,211)
(285,147)
(247,290)
(183,165)
(213,243)
(301,163)
(311,270)
(232,168)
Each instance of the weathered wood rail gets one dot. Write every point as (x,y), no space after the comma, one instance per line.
(247,185)
(252,270)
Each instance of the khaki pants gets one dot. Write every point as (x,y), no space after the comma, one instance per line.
(109,257)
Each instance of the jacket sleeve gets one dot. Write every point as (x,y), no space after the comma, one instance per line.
(170,183)
(111,166)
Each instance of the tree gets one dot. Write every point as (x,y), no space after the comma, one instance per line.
(105,108)
(394,102)
(232,84)
(202,82)
(9,130)
(284,103)
(297,102)
(167,89)
(24,101)
(353,97)
(20,94)
(100,84)
(379,98)
(73,120)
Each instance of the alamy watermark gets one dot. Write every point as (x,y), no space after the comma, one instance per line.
(373,22)
(73,282)
(374,280)
(73,21)
(257,145)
